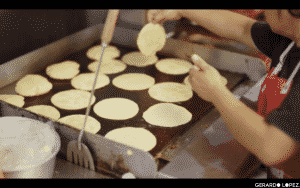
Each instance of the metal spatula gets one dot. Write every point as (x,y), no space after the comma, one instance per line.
(83,154)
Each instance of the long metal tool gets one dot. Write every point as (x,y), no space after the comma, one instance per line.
(74,147)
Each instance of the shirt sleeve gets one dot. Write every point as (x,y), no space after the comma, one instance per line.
(286,117)
(266,40)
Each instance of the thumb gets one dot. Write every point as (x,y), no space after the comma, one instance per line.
(200,63)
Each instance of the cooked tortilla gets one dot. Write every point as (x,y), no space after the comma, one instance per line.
(15,100)
(46,111)
(72,99)
(110,52)
(33,85)
(170,92)
(139,138)
(133,81)
(116,109)
(108,66)
(63,71)
(85,81)
(167,115)
(173,66)
(151,39)
(137,59)
(77,120)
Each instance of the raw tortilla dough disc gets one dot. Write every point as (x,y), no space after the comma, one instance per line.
(116,109)
(108,66)
(63,71)
(187,82)
(170,92)
(139,138)
(110,52)
(151,39)
(173,66)
(77,121)
(15,100)
(85,81)
(139,60)
(133,81)
(72,99)
(167,115)
(33,85)
(46,111)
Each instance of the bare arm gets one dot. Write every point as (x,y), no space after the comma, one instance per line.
(223,23)
(267,142)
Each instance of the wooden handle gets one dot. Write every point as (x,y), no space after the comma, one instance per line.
(109,26)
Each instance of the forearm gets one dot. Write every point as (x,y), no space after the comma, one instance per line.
(222,22)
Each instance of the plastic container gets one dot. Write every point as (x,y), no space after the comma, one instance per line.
(28,148)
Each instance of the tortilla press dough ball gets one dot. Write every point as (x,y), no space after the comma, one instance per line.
(33,85)
(151,39)
(85,81)
(110,52)
(46,111)
(65,70)
(15,100)
(173,66)
(133,81)
(137,59)
(77,121)
(108,66)
(72,99)
(167,115)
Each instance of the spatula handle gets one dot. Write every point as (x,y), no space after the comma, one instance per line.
(109,26)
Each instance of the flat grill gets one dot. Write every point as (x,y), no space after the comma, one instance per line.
(109,156)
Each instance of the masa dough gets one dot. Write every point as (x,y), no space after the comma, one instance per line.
(15,100)
(116,109)
(63,71)
(151,39)
(72,99)
(139,138)
(173,66)
(85,81)
(167,115)
(77,121)
(33,85)
(45,110)
(110,52)
(108,66)
(137,59)
(133,81)
(170,92)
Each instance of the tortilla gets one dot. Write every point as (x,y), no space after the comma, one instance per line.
(170,92)
(139,138)
(33,85)
(151,39)
(46,111)
(167,115)
(133,81)
(116,109)
(137,59)
(110,52)
(85,81)
(108,66)
(77,121)
(173,66)
(72,99)
(63,71)
(15,100)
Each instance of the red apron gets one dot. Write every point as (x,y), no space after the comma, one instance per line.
(274,89)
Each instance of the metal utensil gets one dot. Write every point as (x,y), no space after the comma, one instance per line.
(74,147)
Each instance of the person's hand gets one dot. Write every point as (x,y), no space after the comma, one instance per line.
(1,174)
(206,82)
(159,16)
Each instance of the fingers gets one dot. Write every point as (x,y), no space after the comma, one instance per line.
(200,63)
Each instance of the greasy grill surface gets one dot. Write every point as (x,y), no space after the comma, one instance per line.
(196,105)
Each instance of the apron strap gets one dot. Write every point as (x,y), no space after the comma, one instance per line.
(282,59)
(288,83)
